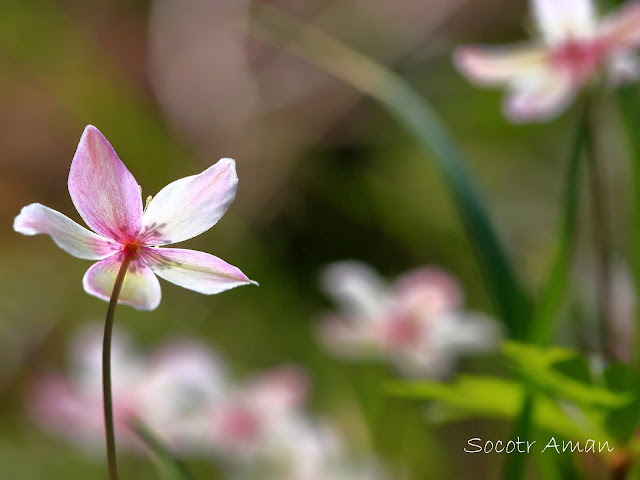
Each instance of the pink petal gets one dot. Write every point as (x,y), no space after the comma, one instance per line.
(622,67)
(191,205)
(484,65)
(540,98)
(357,288)
(140,289)
(279,391)
(67,234)
(427,288)
(194,270)
(560,20)
(622,29)
(103,190)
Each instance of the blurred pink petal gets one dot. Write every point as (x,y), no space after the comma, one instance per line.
(189,206)
(622,28)
(421,327)
(198,271)
(429,289)
(104,192)
(578,47)
(140,289)
(356,287)
(541,97)
(488,65)
(72,238)
(558,20)
(280,390)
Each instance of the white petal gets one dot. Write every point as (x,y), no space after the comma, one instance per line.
(194,270)
(488,65)
(190,206)
(622,28)
(541,97)
(623,67)
(356,287)
(67,234)
(140,289)
(561,20)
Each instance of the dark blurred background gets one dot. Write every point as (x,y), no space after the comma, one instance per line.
(325,174)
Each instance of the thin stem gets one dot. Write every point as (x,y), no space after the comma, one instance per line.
(106,367)
(157,447)
(602,237)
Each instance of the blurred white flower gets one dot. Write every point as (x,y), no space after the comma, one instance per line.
(72,407)
(545,75)
(417,323)
(183,395)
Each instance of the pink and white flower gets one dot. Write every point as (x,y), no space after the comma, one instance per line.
(109,200)
(71,406)
(417,323)
(543,76)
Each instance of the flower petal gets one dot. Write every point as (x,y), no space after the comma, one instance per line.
(356,287)
(540,98)
(103,190)
(191,205)
(488,65)
(559,20)
(67,234)
(622,67)
(140,289)
(279,391)
(428,290)
(622,29)
(194,270)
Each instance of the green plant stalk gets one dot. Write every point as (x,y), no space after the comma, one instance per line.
(515,464)
(106,368)
(157,447)
(602,239)
(417,117)
(629,103)
(556,286)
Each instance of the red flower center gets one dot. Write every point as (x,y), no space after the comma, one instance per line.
(579,58)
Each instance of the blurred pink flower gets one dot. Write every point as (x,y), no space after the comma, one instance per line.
(246,422)
(72,407)
(109,200)
(545,75)
(183,395)
(417,323)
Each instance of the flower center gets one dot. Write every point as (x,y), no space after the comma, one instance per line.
(579,58)
(130,249)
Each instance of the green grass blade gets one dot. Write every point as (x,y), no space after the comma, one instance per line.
(629,103)
(158,448)
(419,119)
(557,284)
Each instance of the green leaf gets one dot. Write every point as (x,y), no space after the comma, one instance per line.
(489,397)
(421,121)
(623,422)
(562,373)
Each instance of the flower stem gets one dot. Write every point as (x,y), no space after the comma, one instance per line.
(106,368)
(157,447)
(603,245)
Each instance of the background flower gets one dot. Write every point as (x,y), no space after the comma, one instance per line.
(418,322)
(545,75)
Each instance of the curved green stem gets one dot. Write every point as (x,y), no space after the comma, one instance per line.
(161,450)
(602,240)
(106,368)
(422,122)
